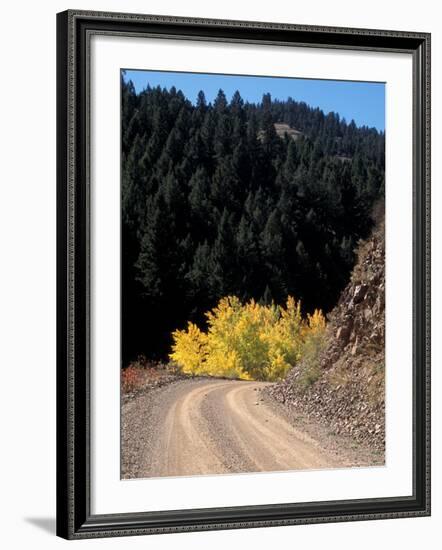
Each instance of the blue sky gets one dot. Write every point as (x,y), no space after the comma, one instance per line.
(364,102)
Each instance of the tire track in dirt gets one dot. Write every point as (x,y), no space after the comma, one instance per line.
(223,426)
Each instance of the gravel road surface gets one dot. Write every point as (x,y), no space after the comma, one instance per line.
(204,426)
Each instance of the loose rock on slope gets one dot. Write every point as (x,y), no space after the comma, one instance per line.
(348,395)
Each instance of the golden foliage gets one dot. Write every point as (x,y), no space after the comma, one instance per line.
(189,349)
(248,341)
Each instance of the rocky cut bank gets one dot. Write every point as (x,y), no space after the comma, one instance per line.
(345,387)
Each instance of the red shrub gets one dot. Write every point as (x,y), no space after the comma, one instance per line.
(131,378)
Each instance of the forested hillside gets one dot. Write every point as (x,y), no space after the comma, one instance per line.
(216,203)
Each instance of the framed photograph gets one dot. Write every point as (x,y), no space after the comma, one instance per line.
(243,274)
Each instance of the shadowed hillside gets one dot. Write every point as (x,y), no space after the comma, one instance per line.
(259,201)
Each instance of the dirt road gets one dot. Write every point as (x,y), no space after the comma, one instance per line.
(212,427)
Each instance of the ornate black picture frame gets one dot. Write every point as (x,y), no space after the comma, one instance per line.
(74,518)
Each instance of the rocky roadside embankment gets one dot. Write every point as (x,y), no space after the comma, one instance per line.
(348,395)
